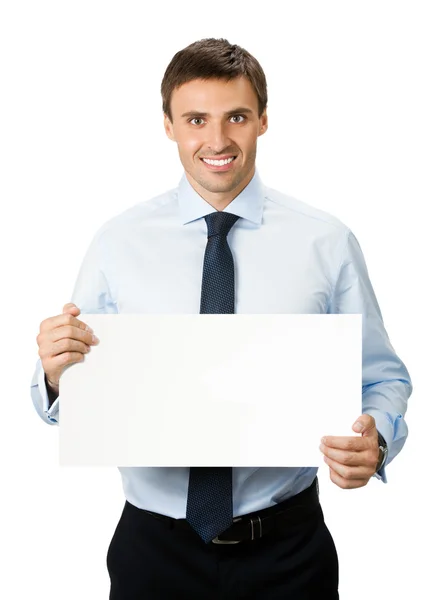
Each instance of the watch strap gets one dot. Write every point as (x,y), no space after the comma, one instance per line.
(382,445)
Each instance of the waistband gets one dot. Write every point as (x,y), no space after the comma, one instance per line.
(255,525)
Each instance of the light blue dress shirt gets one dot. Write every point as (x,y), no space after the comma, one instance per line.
(289,258)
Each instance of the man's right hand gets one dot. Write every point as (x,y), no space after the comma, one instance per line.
(62,341)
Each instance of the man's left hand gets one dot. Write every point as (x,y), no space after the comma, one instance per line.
(352,460)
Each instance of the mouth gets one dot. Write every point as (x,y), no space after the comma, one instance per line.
(219,165)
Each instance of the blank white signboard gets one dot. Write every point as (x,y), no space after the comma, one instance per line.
(211,390)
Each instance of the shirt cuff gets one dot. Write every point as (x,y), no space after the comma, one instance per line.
(53,411)
(385,427)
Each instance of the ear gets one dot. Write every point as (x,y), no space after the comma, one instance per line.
(168,127)
(263,123)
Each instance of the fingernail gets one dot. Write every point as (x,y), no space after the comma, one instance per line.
(358,426)
(95,339)
(89,328)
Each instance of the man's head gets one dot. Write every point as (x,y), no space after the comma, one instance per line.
(214,102)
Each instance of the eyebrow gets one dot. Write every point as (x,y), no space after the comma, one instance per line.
(239,109)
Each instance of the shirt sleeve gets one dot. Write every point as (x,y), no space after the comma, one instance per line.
(386,384)
(92,296)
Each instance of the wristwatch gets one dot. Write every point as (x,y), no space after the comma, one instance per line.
(383,452)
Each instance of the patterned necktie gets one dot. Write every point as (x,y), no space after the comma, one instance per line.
(210,499)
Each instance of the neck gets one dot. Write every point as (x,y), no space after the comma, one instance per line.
(220,200)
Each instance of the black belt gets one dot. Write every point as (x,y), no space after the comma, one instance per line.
(255,525)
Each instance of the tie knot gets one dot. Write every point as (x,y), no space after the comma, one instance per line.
(220,223)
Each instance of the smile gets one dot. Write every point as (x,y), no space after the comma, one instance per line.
(218,165)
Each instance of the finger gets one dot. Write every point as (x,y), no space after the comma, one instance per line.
(64,319)
(70,306)
(73,333)
(346,484)
(345,457)
(68,345)
(350,443)
(365,425)
(346,471)
(48,351)
(67,358)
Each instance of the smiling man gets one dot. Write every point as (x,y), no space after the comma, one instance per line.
(223,242)
(217,141)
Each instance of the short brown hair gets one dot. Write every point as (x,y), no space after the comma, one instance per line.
(213,58)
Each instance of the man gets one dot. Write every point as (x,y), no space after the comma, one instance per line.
(222,242)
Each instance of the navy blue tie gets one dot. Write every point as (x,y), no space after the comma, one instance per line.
(210,497)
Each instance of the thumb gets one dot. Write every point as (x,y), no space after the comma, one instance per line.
(71,308)
(365,425)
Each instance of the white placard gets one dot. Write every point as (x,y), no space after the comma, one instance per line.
(213,390)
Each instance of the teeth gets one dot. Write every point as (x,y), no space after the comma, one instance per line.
(218,163)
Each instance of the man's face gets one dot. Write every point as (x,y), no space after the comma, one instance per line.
(216,119)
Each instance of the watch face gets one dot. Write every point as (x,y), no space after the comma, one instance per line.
(383,451)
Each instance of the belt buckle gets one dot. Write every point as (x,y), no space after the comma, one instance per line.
(216,539)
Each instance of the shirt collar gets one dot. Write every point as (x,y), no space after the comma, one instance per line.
(249,204)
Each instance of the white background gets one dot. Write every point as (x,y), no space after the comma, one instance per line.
(82,139)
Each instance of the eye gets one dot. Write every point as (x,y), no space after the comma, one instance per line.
(237,116)
(232,117)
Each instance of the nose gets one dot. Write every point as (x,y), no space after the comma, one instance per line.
(218,139)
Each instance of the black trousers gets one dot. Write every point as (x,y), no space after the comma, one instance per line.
(149,559)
